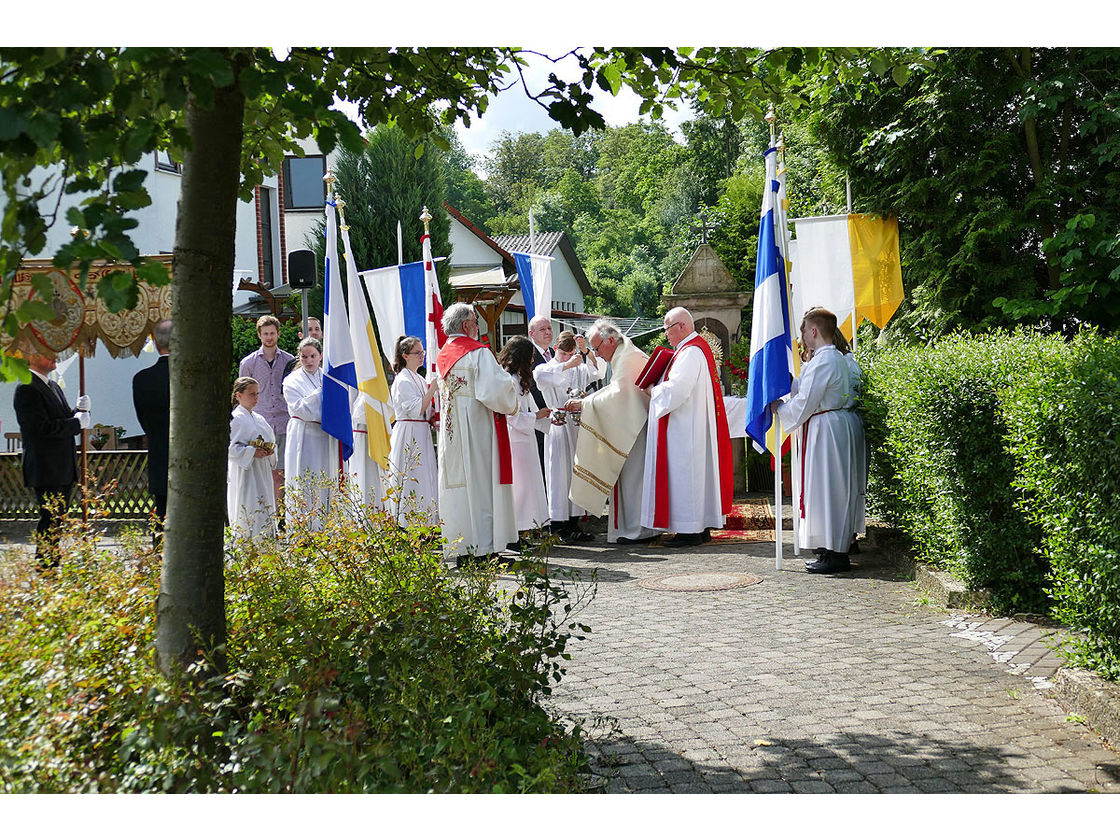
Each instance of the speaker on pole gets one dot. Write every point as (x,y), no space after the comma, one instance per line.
(301,270)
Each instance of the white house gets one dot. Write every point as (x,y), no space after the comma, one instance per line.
(284,208)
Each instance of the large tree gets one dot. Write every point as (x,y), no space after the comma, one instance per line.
(1001,165)
(231,114)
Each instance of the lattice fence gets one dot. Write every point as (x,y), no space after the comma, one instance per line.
(118,478)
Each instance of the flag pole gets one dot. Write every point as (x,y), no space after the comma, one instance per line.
(532,234)
(794,449)
(338,203)
(770,118)
(848,189)
(400,244)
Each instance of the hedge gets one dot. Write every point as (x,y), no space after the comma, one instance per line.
(998,455)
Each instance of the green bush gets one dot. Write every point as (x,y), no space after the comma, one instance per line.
(1063,433)
(357,663)
(940,467)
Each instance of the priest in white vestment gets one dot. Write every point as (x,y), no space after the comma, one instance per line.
(688,449)
(821,410)
(611,445)
(475,465)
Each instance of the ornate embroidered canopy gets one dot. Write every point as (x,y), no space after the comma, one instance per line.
(83,319)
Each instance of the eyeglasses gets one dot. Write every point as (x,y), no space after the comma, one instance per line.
(419,351)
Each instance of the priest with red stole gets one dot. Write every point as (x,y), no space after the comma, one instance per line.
(475,467)
(688,448)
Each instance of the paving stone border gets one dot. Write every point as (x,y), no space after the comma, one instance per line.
(699,582)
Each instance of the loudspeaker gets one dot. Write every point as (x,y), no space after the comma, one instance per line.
(301,270)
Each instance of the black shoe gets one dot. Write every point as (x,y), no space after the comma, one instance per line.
(854,547)
(682,540)
(637,541)
(706,535)
(580,535)
(840,562)
(821,566)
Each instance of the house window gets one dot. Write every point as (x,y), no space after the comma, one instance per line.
(303,182)
(164,163)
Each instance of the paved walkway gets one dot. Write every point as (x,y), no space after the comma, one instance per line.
(811,684)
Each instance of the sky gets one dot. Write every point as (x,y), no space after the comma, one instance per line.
(515,112)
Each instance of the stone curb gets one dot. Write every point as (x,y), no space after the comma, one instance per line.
(948,591)
(1093,698)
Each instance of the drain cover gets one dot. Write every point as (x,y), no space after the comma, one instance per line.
(700,582)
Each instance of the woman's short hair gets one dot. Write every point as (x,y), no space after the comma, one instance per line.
(566,341)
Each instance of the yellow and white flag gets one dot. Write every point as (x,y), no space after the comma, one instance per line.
(849,265)
(373,386)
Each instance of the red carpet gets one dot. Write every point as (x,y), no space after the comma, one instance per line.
(751,520)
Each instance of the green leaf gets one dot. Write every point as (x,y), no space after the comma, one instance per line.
(35,310)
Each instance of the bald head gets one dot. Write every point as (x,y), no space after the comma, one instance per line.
(678,325)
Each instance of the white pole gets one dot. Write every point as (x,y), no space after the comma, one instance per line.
(778,534)
(532,234)
(400,244)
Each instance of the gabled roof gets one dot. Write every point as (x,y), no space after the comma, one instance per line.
(547,242)
(505,255)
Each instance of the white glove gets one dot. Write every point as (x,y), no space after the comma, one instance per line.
(84,419)
(83,403)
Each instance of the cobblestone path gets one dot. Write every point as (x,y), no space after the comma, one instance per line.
(810,684)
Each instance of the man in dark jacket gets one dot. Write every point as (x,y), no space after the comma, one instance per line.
(151,397)
(50,467)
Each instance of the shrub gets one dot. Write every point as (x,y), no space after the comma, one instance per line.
(357,663)
(1063,434)
(940,468)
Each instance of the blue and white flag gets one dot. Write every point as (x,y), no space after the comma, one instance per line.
(339,375)
(534,271)
(770,373)
(399,295)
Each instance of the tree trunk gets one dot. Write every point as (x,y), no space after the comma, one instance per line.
(191,605)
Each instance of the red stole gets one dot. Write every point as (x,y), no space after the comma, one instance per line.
(449,354)
(723,444)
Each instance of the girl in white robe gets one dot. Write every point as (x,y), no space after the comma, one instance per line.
(250,493)
(530,504)
(560,379)
(821,411)
(413,484)
(307,455)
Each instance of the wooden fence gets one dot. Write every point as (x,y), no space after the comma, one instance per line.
(118,478)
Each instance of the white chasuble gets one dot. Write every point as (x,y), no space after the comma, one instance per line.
(610,447)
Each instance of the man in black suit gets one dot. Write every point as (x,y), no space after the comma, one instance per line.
(151,397)
(540,333)
(50,467)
